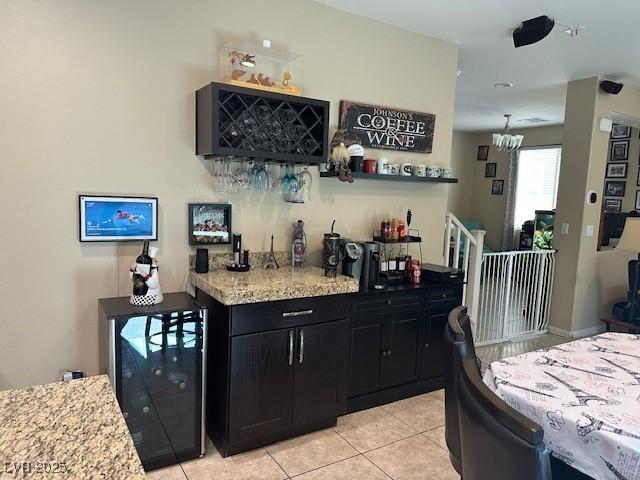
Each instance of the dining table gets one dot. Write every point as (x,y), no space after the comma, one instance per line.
(586,396)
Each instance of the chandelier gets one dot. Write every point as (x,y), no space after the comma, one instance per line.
(506,141)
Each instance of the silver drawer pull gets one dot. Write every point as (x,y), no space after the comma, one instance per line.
(297,314)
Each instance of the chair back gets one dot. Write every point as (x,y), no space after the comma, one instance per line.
(458,345)
(497,441)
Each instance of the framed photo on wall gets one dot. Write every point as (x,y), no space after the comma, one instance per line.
(614,205)
(497,187)
(490,170)
(638,179)
(619,150)
(637,200)
(483,153)
(616,170)
(620,131)
(209,223)
(614,189)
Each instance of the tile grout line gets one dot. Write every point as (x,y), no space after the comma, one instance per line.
(395,441)
(276,462)
(328,464)
(436,444)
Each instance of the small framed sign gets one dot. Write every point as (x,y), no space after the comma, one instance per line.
(614,189)
(483,153)
(616,170)
(209,223)
(388,128)
(619,150)
(620,131)
(497,187)
(614,205)
(637,200)
(490,170)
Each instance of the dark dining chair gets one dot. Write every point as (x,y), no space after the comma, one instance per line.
(458,345)
(498,442)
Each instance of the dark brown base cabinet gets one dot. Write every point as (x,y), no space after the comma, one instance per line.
(281,369)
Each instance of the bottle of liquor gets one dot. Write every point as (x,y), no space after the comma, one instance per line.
(298,245)
(143,270)
(384,264)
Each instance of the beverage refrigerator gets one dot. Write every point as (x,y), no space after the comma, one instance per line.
(156,361)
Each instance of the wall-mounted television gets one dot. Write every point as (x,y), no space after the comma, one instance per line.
(105,218)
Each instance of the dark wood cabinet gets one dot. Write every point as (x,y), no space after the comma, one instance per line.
(244,122)
(260,369)
(433,346)
(400,349)
(365,352)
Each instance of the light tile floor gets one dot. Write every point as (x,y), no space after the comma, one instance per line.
(403,440)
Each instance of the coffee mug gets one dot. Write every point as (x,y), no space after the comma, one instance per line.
(383,166)
(433,171)
(370,165)
(420,170)
(407,169)
(394,169)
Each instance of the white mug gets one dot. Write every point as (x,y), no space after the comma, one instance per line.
(383,166)
(407,169)
(394,169)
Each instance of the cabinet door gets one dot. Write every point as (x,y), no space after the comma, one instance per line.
(400,349)
(365,350)
(261,384)
(433,346)
(319,386)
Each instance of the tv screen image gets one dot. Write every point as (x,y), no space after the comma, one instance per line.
(117,219)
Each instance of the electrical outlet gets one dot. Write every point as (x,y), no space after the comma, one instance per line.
(564,229)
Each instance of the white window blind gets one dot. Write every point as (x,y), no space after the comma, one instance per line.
(537,187)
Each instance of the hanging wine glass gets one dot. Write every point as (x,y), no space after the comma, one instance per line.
(305,179)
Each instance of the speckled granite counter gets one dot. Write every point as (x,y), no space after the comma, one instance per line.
(71,430)
(259,285)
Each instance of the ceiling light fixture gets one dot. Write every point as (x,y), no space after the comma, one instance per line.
(503,84)
(506,141)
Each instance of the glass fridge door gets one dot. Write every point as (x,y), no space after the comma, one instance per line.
(159,362)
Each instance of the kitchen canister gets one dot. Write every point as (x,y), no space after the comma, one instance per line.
(420,170)
(407,169)
(433,171)
(383,166)
(447,172)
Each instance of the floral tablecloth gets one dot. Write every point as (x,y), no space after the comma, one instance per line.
(586,396)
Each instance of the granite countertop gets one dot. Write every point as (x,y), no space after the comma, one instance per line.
(70,430)
(259,285)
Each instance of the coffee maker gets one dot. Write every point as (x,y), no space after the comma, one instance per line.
(361,260)
(351,255)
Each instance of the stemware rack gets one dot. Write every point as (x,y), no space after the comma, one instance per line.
(243,122)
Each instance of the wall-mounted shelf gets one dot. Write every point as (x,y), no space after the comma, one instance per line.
(394,178)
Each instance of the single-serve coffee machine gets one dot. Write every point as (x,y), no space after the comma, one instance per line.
(361,260)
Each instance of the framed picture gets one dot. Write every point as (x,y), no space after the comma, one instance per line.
(620,131)
(614,189)
(483,153)
(638,179)
(497,187)
(614,205)
(637,200)
(619,150)
(490,170)
(209,223)
(616,170)
(116,218)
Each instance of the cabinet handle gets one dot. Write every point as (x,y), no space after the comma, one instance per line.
(301,355)
(297,314)
(388,302)
(386,353)
(290,347)
(426,345)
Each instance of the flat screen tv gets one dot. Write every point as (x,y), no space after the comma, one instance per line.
(117,219)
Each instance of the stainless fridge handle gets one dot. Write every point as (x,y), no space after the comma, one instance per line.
(301,355)
(297,314)
(290,347)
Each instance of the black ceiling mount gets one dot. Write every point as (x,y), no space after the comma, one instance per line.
(610,87)
(532,31)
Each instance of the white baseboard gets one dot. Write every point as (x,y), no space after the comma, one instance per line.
(584,332)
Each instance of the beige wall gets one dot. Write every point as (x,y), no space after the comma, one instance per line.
(99,97)
(586,281)
(477,203)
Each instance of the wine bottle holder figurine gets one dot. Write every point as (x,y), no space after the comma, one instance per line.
(145,278)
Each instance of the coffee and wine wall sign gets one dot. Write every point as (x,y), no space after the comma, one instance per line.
(388,128)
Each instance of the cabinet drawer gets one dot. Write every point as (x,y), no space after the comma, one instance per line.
(444,299)
(259,317)
(380,302)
